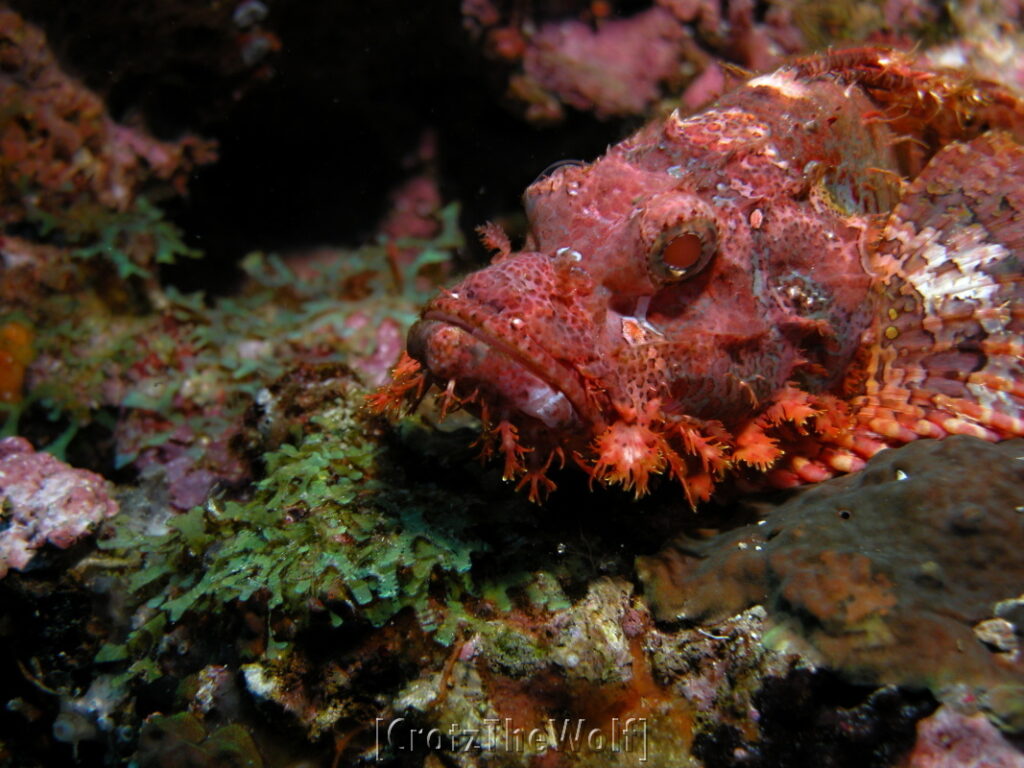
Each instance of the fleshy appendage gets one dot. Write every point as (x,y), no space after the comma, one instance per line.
(406,388)
(642,444)
(799,438)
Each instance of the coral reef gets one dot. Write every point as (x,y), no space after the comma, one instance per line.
(291,580)
(45,501)
(811,717)
(645,53)
(165,58)
(613,60)
(592,683)
(885,573)
(66,164)
(312,533)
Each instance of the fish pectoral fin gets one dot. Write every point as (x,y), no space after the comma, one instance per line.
(945,355)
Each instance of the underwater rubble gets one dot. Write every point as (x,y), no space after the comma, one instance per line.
(212,554)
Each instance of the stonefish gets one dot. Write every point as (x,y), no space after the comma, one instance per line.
(825,263)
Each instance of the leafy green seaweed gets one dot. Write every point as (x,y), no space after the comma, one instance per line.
(318,527)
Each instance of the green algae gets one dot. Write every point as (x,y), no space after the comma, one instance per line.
(331,528)
(131,241)
(183,740)
(511,652)
(116,340)
(318,527)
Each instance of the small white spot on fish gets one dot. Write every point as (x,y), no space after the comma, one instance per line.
(781,82)
(676,171)
(756,218)
(516,322)
(569,253)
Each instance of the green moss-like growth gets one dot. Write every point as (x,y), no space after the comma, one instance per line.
(852,21)
(511,652)
(184,740)
(130,241)
(321,528)
(197,363)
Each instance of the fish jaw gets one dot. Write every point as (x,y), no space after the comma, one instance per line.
(514,345)
(523,397)
(483,366)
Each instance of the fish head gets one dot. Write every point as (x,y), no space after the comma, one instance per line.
(628,302)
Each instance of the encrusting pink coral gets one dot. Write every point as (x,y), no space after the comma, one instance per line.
(49,502)
(951,739)
(823,264)
(62,152)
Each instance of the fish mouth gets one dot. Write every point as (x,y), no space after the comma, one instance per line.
(522,377)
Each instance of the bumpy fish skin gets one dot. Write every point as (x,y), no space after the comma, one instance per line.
(825,263)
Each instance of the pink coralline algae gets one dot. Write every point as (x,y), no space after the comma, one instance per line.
(45,500)
(822,265)
(61,150)
(950,739)
(615,70)
(613,60)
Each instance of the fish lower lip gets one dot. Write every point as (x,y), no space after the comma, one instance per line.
(492,362)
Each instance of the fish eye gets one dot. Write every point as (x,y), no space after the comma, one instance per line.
(684,250)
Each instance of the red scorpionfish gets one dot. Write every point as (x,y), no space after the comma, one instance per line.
(825,263)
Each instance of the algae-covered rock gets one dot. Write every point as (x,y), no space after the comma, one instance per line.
(183,741)
(883,574)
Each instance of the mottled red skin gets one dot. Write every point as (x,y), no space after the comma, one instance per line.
(580,345)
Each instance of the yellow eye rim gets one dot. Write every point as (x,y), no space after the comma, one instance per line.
(684,250)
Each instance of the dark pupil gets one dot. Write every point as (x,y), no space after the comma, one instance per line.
(682,252)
